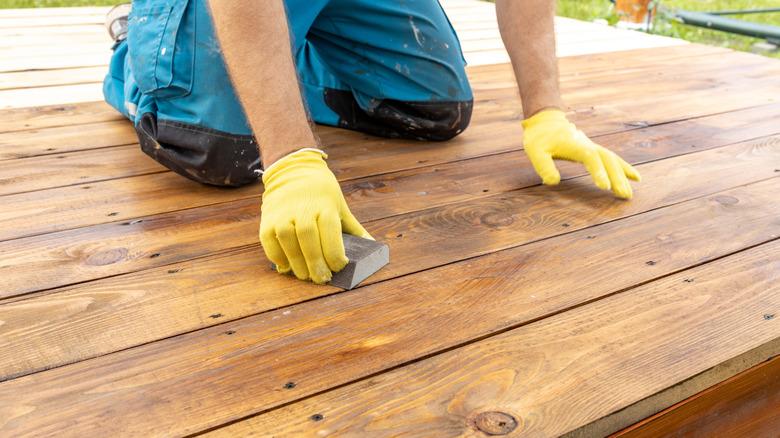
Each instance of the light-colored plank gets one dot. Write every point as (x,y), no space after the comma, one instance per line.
(47,78)
(55,95)
(54,12)
(561,373)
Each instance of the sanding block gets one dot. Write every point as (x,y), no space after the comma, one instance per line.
(365,258)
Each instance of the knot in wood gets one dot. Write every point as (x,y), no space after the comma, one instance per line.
(495,423)
(496,219)
(726,200)
(107,257)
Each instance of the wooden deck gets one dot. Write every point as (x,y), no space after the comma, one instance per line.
(135,302)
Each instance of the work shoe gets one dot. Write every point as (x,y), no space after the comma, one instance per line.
(116,21)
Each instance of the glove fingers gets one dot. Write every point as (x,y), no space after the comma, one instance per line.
(274,251)
(308,234)
(595,167)
(350,225)
(630,171)
(332,243)
(617,177)
(544,165)
(289,243)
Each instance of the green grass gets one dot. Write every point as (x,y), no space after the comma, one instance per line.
(592,9)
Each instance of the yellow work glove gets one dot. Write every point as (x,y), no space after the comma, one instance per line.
(303,215)
(549,135)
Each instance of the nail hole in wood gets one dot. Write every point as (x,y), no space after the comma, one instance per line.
(215,315)
(230,332)
(289,385)
(400,235)
(113,213)
(173,271)
(564,225)
(650,262)
(317,417)
(155,255)
(768,316)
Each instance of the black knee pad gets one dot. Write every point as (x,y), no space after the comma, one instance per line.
(200,154)
(433,120)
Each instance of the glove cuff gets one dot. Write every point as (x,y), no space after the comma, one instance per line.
(545,115)
(304,151)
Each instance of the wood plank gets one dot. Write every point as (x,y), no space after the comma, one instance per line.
(7,22)
(744,405)
(558,374)
(576,207)
(100,58)
(50,141)
(51,116)
(232,370)
(54,12)
(62,94)
(570,68)
(646,109)
(31,174)
(47,78)
(70,256)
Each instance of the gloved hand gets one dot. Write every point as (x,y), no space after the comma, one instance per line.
(548,135)
(303,215)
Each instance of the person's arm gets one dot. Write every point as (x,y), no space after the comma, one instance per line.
(303,212)
(255,44)
(527,29)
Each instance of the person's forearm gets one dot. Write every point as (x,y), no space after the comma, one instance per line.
(255,43)
(527,29)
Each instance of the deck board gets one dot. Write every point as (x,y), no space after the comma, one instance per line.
(133,301)
(551,376)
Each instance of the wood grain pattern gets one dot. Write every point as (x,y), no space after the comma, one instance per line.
(79,255)
(744,405)
(57,140)
(233,370)
(133,301)
(564,371)
(50,116)
(667,246)
(37,173)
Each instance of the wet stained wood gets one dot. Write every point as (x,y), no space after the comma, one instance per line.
(745,405)
(372,198)
(243,367)
(57,140)
(246,274)
(77,255)
(37,173)
(160,283)
(560,373)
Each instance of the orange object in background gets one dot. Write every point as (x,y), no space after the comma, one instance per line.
(632,11)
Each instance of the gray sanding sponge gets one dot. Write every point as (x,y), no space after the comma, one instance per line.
(365,258)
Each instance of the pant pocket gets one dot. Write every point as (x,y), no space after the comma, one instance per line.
(161,47)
